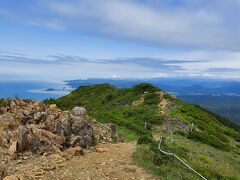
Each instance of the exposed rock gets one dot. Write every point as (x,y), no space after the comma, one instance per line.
(77,124)
(79,111)
(13,148)
(53,110)
(7,120)
(113,128)
(66,122)
(100,150)
(39,106)
(11,178)
(22,137)
(75,141)
(76,151)
(86,135)
(50,122)
(42,138)
(138,101)
(38,116)
(3,171)
(4,138)
(174,124)
(103,132)
(32,126)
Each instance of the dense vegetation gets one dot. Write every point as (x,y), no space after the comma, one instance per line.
(130,108)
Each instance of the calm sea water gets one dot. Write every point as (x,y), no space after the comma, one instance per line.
(33,90)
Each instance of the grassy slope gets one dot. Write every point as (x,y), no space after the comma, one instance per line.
(213,146)
(227,106)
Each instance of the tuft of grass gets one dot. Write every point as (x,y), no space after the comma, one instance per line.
(168,169)
(127,134)
(208,161)
(205,159)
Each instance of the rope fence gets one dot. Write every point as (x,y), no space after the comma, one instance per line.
(174,155)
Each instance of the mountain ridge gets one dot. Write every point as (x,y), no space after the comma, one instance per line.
(137,111)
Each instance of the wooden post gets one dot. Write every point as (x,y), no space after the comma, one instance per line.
(192,127)
(145,125)
(171,133)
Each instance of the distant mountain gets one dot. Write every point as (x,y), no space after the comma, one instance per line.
(222,97)
(177,86)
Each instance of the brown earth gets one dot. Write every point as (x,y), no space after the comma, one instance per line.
(110,161)
(105,162)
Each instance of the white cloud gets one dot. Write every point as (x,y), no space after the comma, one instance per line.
(198,23)
(202,27)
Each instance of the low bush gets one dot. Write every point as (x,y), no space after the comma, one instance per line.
(2,103)
(145,87)
(151,99)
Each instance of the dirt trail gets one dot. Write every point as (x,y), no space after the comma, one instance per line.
(111,161)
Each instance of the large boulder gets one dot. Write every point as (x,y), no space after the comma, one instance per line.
(6,117)
(39,106)
(7,121)
(86,135)
(50,123)
(66,123)
(79,111)
(104,132)
(77,123)
(39,117)
(42,140)
(22,136)
(53,110)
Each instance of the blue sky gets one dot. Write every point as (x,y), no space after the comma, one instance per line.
(72,39)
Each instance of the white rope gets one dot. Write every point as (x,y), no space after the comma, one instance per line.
(174,155)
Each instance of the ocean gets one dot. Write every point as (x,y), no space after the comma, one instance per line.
(33,90)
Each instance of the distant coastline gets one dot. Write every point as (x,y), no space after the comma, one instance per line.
(33,90)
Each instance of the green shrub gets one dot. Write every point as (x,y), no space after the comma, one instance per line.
(145,87)
(50,101)
(2,103)
(167,96)
(145,140)
(151,99)
(181,133)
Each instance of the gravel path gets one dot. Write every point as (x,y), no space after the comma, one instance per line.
(110,161)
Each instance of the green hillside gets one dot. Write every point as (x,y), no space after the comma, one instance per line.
(212,147)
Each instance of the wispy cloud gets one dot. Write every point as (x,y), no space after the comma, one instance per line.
(66,67)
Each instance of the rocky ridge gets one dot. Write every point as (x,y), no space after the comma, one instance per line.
(31,129)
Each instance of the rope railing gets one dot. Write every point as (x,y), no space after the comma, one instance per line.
(174,155)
